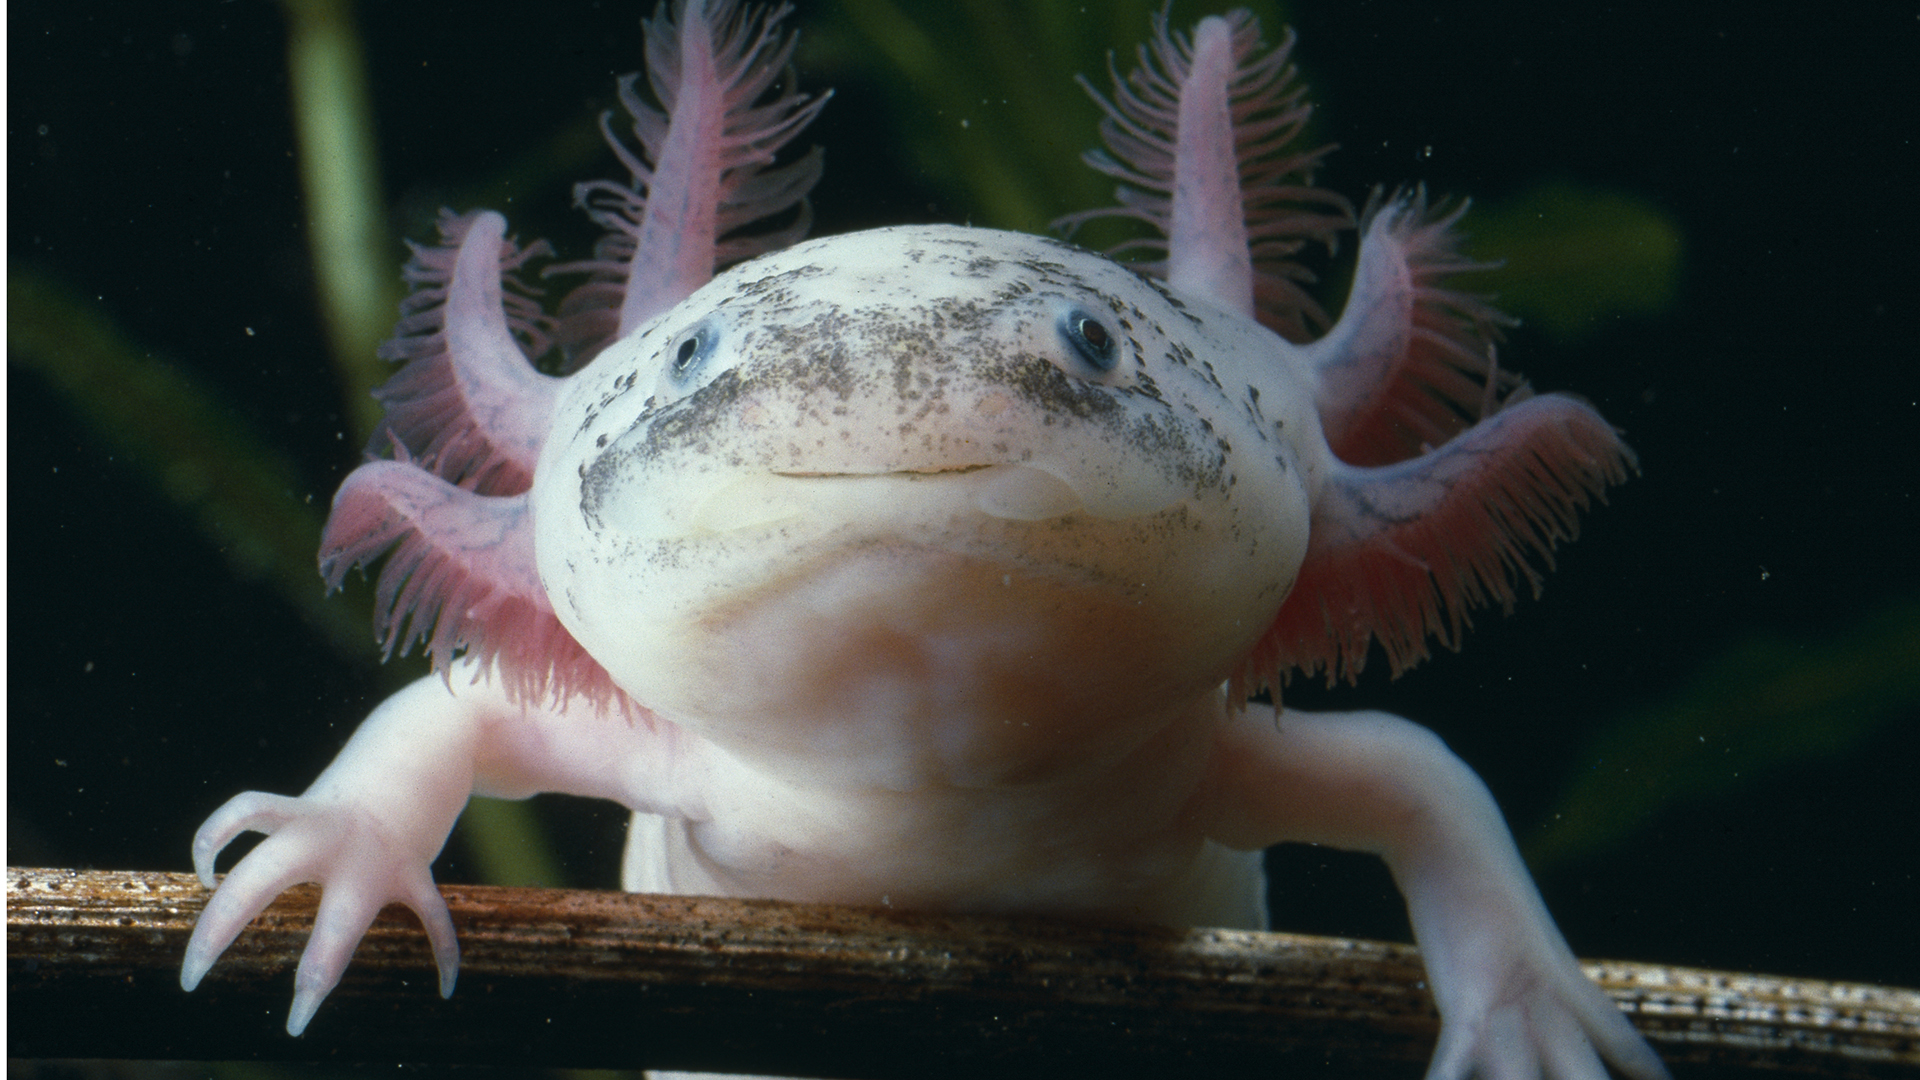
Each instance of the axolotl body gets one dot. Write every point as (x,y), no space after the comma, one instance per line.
(935,565)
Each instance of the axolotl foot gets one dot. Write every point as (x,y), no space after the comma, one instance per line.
(360,864)
(1550,1028)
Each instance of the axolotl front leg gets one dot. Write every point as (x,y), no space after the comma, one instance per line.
(368,829)
(1512,997)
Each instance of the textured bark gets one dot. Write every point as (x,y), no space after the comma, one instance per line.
(565,978)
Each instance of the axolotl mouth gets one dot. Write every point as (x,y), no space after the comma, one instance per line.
(1009,492)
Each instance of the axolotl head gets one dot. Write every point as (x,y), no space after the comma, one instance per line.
(925,489)
(851,481)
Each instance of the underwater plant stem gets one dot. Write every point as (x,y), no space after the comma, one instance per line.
(346,214)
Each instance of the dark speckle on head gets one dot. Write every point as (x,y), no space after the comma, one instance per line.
(1174,301)
(1254,412)
(1012,291)
(765,288)
(816,354)
(688,423)
(1213,377)
(1048,387)
(951,351)
(1144,385)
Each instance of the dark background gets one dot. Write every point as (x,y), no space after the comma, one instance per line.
(1774,404)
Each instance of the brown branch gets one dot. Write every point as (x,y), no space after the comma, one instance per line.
(559,978)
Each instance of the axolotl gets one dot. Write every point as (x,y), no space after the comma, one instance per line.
(939,565)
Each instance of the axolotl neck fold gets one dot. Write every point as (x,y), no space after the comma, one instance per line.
(929,482)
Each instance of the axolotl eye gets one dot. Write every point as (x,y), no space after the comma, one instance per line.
(687,356)
(1090,340)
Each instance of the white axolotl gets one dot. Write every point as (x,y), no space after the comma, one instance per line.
(934,565)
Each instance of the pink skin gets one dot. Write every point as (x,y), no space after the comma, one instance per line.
(371,825)
(1513,998)
(1433,478)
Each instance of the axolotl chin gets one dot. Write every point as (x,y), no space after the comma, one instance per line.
(937,565)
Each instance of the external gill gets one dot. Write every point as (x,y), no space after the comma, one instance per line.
(1411,362)
(469,406)
(468,415)
(1198,136)
(703,170)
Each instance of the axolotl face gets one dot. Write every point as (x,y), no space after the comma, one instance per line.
(927,497)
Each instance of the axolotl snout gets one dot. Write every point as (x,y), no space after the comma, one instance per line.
(934,565)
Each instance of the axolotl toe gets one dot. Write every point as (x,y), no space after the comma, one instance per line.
(936,565)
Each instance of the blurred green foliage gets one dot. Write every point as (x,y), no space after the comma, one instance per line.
(983,98)
(339,168)
(1568,259)
(1763,707)
(190,445)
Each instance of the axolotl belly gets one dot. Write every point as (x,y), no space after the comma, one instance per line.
(934,566)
